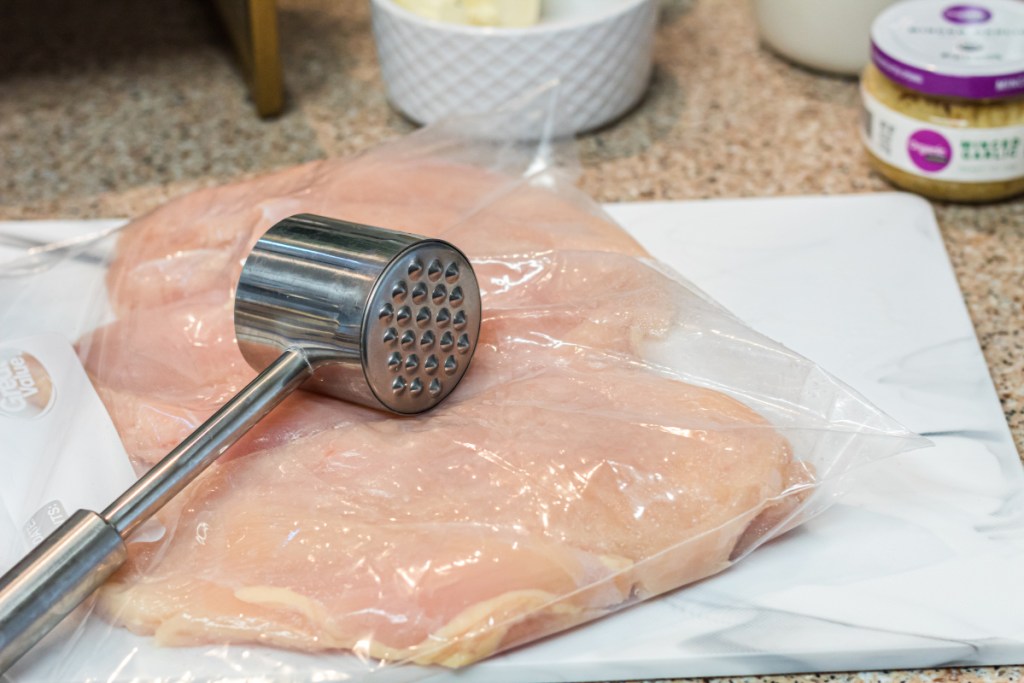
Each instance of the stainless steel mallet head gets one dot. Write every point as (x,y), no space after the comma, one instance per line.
(387,319)
(381,318)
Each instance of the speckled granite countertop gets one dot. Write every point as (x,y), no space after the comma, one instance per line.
(109,108)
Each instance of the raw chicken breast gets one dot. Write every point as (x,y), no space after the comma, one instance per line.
(565,478)
(198,242)
(388,537)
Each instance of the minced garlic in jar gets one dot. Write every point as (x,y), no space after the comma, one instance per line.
(944,99)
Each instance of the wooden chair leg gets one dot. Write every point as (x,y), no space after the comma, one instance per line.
(252,25)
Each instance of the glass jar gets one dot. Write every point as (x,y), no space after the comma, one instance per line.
(944,99)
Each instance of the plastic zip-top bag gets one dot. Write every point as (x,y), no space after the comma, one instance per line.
(618,434)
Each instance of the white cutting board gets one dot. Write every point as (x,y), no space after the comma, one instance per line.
(921,565)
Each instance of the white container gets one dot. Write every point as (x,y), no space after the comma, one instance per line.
(599,50)
(827,35)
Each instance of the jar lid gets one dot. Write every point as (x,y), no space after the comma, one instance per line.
(969,51)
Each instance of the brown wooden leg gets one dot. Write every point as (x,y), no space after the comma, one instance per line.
(252,25)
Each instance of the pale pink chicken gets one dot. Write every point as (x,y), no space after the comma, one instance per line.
(601,301)
(184,352)
(562,480)
(387,536)
(177,265)
(195,244)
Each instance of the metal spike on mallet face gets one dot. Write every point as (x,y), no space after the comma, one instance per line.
(386,319)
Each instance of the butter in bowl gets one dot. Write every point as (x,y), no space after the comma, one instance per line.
(442,58)
(509,13)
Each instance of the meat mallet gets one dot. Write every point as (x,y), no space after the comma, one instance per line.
(381,318)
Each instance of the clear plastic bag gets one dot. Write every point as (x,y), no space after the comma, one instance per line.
(618,435)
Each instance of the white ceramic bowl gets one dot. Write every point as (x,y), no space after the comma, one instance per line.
(828,35)
(600,50)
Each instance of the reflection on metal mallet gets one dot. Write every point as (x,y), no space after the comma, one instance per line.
(381,318)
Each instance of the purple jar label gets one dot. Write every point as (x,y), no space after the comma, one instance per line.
(929,151)
(967,14)
(967,50)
